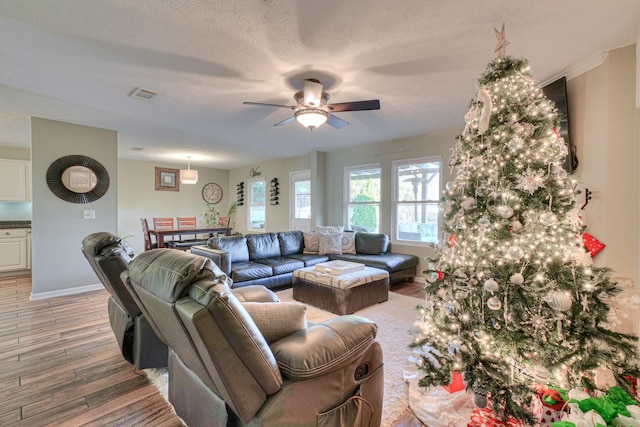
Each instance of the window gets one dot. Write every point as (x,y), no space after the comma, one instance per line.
(257,204)
(416,199)
(362,194)
(302,199)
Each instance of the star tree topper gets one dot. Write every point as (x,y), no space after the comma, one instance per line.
(502,41)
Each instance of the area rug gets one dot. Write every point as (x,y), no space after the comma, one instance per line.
(394,318)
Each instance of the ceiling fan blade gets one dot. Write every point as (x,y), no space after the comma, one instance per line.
(269,105)
(312,90)
(372,104)
(285,121)
(336,122)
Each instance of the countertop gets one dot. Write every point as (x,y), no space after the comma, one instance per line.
(15,224)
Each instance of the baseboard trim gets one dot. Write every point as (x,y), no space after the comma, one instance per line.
(65,292)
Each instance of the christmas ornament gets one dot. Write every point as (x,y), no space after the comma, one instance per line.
(548,219)
(516,226)
(494,303)
(452,306)
(530,181)
(490,285)
(480,397)
(540,374)
(454,346)
(559,300)
(515,252)
(517,279)
(468,203)
(484,222)
(504,211)
(592,244)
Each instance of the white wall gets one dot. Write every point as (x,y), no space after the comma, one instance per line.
(58,226)
(277,217)
(604,128)
(137,197)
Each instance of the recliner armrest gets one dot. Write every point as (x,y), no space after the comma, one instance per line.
(323,347)
(221,258)
(255,293)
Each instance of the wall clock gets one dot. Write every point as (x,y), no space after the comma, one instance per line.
(212,193)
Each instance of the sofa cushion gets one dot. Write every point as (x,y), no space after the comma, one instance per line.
(389,261)
(311,242)
(236,246)
(330,243)
(349,242)
(277,319)
(310,259)
(281,265)
(263,245)
(243,271)
(291,242)
(372,243)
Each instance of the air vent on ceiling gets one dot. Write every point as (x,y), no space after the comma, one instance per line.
(143,94)
(136,149)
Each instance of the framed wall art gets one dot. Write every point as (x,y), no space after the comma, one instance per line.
(167,179)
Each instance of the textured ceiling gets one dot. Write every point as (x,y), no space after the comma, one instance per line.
(77,61)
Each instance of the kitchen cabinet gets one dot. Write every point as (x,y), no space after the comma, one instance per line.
(13,249)
(15,180)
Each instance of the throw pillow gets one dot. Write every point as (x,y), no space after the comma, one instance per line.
(276,320)
(311,243)
(330,229)
(349,242)
(330,243)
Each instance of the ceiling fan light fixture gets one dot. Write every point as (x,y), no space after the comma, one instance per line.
(311,118)
(188,176)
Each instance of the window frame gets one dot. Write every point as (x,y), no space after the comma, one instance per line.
(395,165)
(251,204)
(346,191)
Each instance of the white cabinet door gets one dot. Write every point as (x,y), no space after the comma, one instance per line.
(13,181)
(13,252)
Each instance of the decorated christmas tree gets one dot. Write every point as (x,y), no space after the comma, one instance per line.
(513,299)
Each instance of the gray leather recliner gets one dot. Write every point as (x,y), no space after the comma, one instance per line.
(109,256)
(223,372)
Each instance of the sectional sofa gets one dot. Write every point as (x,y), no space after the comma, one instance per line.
(269,259)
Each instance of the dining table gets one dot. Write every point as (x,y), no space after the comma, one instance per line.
(161,233)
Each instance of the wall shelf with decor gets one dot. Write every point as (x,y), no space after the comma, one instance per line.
(274,192)
(240,194)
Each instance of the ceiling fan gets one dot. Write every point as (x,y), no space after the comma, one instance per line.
(312,109)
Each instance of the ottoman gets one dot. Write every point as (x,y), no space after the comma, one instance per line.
(341,294)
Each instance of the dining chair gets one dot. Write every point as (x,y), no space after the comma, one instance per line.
(164,223)
(148,244)
(187,222)
(223,221)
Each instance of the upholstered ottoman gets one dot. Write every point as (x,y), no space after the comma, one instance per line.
(341,294)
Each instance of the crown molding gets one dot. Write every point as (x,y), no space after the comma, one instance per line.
(580,68)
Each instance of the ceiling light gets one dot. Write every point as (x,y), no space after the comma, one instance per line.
(311,118)
(188,175)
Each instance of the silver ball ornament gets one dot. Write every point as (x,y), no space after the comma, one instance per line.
(517,279)
(490,285)
(494,303)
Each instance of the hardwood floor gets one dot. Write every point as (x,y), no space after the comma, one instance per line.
(60,364)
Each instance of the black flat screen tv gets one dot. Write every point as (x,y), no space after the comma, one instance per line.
(557,92)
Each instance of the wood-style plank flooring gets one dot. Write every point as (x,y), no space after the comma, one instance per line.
(60,364)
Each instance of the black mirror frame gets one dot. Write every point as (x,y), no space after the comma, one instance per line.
(54,179)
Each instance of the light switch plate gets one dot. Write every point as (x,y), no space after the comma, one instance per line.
(89,214)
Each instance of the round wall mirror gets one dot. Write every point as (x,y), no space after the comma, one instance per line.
(77,179)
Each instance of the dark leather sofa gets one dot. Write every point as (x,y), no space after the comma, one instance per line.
(269,259)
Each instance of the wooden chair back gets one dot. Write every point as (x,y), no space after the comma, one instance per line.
(223,221)
(148,245)
(186,222)
(162,223)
